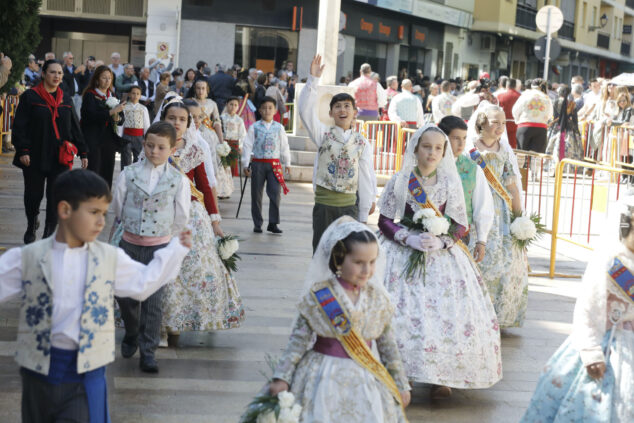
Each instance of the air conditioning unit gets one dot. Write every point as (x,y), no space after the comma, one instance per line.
(487,43)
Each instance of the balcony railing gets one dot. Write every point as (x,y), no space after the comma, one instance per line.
(567,31)
(525,17)
(603,40)
(625,49)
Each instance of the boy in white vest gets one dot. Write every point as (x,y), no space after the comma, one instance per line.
(343,166)
(151,199)
(136,122)
(267,140)
(66,284)
(233,127)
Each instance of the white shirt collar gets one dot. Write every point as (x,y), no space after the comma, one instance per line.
(63,246)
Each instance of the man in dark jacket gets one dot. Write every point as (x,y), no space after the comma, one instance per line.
(221,85)
(69,84)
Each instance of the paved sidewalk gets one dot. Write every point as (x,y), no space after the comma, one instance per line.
(212,376)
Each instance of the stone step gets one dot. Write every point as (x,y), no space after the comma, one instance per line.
(303,158)
(301,143)
(298,173)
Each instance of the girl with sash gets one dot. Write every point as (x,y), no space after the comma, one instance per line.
(445,324)
(204,296)
(504,268)
(590,377)
(345,307)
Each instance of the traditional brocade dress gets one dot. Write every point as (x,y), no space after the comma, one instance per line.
(504,268)
(445,325)
(224,180)
(330,386)
(603,324)
(205,295)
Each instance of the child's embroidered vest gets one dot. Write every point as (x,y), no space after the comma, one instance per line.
(149,214)
(267,141)
(133,114)
(338,162)
(365,96)
(96,335)
(467,169)
(406,108)
(231,126)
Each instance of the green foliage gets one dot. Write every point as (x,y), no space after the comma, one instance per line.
(20,23)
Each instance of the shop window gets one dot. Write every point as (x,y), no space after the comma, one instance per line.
(266,49)
(370,52)
(411,59)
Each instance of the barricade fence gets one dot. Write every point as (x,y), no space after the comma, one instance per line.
(288,119)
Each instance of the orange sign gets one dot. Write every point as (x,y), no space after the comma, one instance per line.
(384,29)
(420,36)
(367,26)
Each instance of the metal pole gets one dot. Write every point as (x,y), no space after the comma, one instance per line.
(547,56)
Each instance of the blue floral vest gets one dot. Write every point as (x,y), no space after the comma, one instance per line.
(267,141)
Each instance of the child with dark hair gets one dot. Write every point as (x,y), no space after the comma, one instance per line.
(343,167)
(152,202)
(346,309)
(136,120)
(477,195)
(268,141)
(66,283)
(233,128)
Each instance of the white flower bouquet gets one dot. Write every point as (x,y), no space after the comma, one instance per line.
(424,220)
(228,156)
(112,102)
(227,249)
(267,408)
(526,229)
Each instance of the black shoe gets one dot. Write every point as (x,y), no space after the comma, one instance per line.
(29,235)
(148,365)
(273,228)
(128,349)
(49,230)
(257,230)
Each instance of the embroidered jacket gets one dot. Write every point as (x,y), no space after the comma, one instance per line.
(467,170)
(134,114)
(338,162)
(149,213)
(267,141)
(96,339)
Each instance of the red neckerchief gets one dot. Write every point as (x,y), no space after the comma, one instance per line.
(51,103)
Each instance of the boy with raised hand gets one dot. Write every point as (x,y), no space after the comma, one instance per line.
(66,284)
(268,141)
(151,200)
(343,166)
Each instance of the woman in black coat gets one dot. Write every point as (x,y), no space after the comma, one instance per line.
(43,120)
(99,123)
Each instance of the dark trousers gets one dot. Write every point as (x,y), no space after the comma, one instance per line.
(101,159)
(324,215)
(142,319)
(34,182)
(530,138)
(131,150)
(260,173)
(43,402)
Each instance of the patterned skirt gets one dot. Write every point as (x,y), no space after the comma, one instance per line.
(445,324)
(204,296)
(566,394)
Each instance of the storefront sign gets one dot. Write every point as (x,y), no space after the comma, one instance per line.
(361,25)
(426,9)
(423,36)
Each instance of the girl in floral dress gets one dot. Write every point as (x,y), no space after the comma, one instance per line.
(504,268)
(445,325)
(319,364)
(224,180)
(205,295)
(590,378)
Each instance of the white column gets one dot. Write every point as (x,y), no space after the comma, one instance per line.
(328,38)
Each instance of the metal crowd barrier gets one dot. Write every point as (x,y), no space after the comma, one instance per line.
(387,145)
(611,145)
(288,118)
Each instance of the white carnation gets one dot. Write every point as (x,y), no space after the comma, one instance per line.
(423,214)
(233,246)
(296,411)
(268,417)
(523,228)
(224,251)
(112,102)
(437,225)
(223,149)
(286,416)
(286,399)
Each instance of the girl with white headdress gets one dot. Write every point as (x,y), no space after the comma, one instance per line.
(504,267)
(344,309)
(445,325)
(205,295)
(590,378)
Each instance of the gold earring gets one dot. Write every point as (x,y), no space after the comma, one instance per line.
(338,272)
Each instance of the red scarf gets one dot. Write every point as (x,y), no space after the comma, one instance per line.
(101,97)
(51,103)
